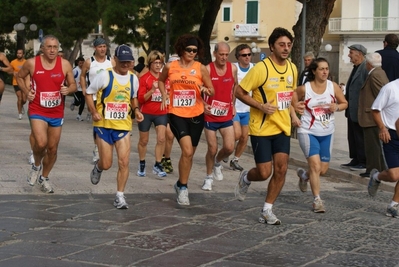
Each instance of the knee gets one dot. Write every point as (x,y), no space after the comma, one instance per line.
(123,163)
(143,142)
(161,139)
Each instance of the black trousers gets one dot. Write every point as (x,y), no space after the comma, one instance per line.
(356,142)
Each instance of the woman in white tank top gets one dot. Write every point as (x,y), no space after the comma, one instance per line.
(316,102)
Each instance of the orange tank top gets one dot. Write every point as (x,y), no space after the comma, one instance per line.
(185,96)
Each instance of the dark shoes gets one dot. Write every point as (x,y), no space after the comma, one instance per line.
(350,164)
(365,174)
(359,167)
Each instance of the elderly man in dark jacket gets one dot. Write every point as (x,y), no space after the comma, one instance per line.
(355,132)
(368,93)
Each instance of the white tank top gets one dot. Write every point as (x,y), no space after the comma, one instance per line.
(240,106)
(317,119)
(96,67)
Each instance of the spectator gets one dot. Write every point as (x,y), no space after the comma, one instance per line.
(390,56)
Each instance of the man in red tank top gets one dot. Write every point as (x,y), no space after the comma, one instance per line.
(219,113)
(46,97)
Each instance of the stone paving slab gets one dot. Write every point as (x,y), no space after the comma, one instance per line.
(78,225)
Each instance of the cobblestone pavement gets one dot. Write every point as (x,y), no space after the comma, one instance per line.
(78,225)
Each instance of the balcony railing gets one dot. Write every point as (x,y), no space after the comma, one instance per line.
(363,25)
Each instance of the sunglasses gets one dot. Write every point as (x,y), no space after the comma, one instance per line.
(189,50)
(245,55)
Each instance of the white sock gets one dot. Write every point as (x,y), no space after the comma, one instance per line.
(236,158)
(267,206)
(393,203)
(375,176)
(246,179)
(119,194)
(209,176)
(316,197)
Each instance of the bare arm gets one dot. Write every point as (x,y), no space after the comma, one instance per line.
(161,84)
(206,79)
(7,68)
(85,70)
(23,74)
(339,95)
(244,96)
(70,80)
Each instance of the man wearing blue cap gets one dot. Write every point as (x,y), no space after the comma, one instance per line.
(92,66)
(355,131)
(116,92)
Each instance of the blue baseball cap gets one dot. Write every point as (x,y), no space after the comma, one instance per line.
(124,53)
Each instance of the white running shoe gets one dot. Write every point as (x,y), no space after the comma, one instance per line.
(182,195)
(207,186)
(45,185)
(267,216)
(31,159)
(120,202)
(217,172)
(23,110)
(20,116)
(158,170)
(33,175)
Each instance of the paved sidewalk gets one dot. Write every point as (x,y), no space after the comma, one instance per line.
(78,225)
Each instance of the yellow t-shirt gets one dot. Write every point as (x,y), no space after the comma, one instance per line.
(271,82)
(114,104)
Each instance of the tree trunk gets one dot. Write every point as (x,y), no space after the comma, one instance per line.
(206,27)
(317,15)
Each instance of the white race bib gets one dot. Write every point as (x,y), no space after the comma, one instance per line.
(184,98)
(284,100)
(50,99)
(116,111)
(219,108)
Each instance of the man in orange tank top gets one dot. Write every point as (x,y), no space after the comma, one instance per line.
(46,98)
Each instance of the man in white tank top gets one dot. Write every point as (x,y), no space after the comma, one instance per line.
(241,119)
(92,66)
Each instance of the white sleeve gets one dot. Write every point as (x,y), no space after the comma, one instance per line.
(135,86)
(99,82)
(382,99)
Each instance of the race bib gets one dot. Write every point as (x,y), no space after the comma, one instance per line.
(219,108)
(184,98)
(116,111)
(284,100)
(323,115)
(50,99)
(156,96)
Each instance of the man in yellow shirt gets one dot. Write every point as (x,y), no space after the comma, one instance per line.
(272,82)
(16,65)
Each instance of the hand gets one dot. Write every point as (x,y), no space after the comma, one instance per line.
(207,109)
(268,108)
(296,122)
(154,85)
(64,90)
(206,90)
(384,135)
(138,116)
(333,107)
(31,95)
(300,107)
(96,116)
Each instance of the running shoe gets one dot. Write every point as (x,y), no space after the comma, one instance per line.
(242,187)
(235,166)
(182,195)
(267,216)
(120,202)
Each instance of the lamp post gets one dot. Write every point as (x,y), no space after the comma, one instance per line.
(21,32)
(254,49)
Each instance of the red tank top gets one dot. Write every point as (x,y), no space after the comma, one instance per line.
(152,105)
(221,101)
(48,101)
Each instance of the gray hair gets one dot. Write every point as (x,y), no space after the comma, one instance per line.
(309,54)
(221,44)
(48,37)
(374,59)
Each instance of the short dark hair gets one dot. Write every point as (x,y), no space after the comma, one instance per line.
(277,33)
(314,65)
(241,47)
(392,40)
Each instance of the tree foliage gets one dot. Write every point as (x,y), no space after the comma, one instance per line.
(317,15)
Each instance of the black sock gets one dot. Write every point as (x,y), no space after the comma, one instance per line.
(180,185)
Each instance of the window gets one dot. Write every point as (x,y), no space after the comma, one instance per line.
(381,15)
(226,13)
(252,12)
